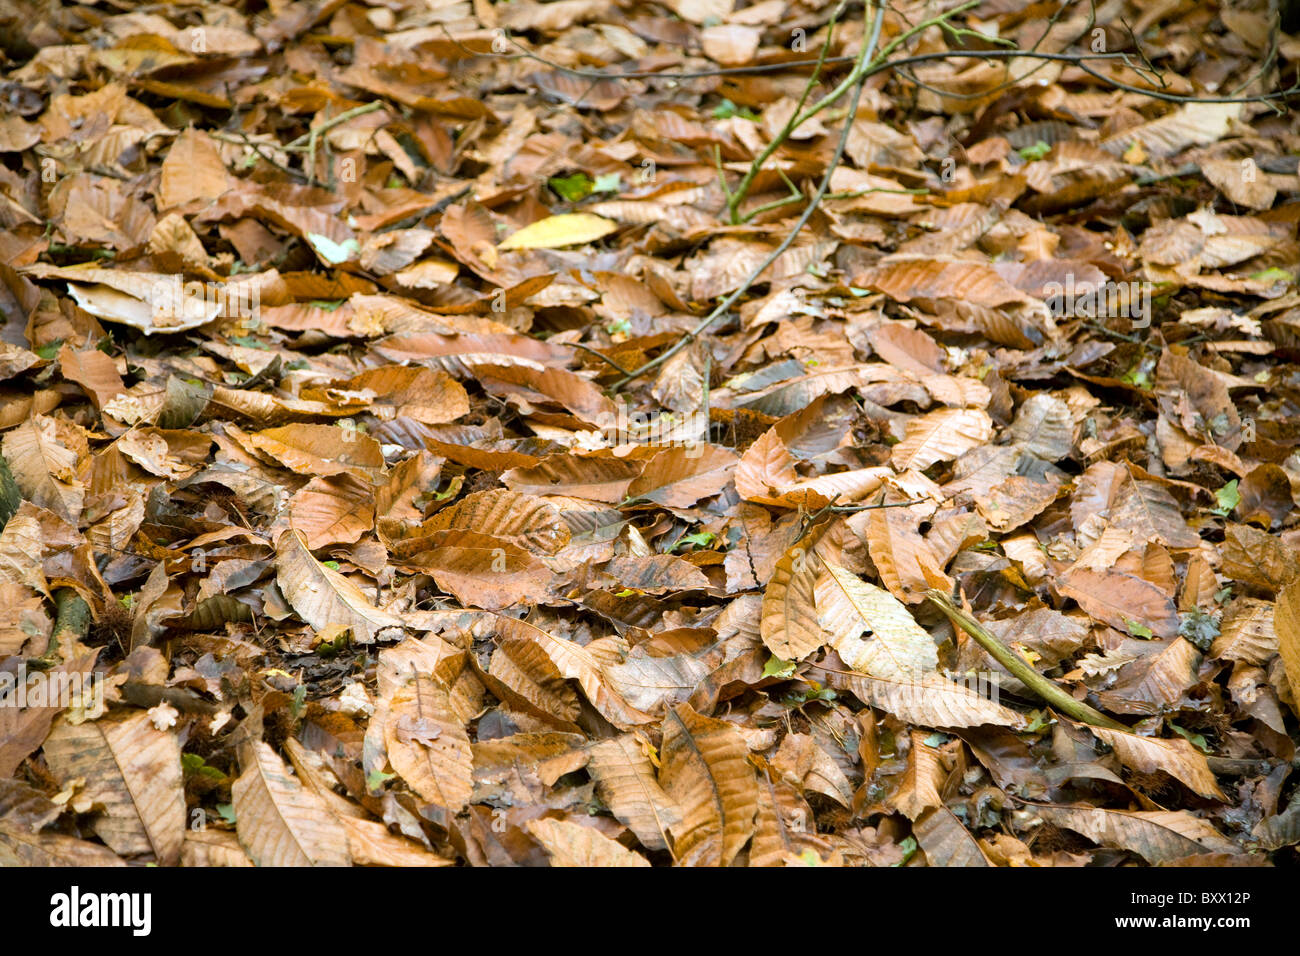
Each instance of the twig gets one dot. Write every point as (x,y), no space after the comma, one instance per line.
(704,397)
(1073,58)
(241,138)
(850,509)
(722,307)
(604,358)
(813,518)
(1019,667)
(830,197)
(71,623)
(305,142)
(861,70)
(1098,327)
(735,198)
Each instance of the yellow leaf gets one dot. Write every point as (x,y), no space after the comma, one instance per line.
(556,232)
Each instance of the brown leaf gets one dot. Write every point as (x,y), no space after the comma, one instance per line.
(946,842)
(572,844)
(626,783)
(933,700)
(1120,600)
(1288,633)
(1159,836)
(322,596)
(918,791)
(941,436)
(482,570)
(131,769)
(1258,559)
(427,744)
(93,371)
(19,846)
(334,510)
(43,458)
(903,558)
(523,520)
(706,772)
(789,622)
(1175,757)
(783,832)
(680,477)
(280,822)
(322,450)
(898,649)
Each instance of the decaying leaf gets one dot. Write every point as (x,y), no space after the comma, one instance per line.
(323,596)
(572,844)
(131,769)
(706,772)
(280,822)
(447,435)
(427,744)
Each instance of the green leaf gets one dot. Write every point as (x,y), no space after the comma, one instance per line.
(331,251)
(1138,630)
(909,847)
(1228,498)
(227,811)
(701,539)
(194,764)
(1273,275)
(1196,740)
(1038,721)
(727,109)
(609,183)
(571,188)
(1037,151)
(250,343)
(1138,378)
(775,667)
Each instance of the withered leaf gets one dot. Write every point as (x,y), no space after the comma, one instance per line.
(706,771)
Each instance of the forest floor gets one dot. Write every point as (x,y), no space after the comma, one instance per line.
(618,433)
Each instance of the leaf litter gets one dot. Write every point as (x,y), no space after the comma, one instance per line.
(544,434)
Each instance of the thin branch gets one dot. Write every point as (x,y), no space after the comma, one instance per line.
(306,141)
(858,75)
(1048,690)
(735,198)
(722,307)
(1074,58)
(604,358)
